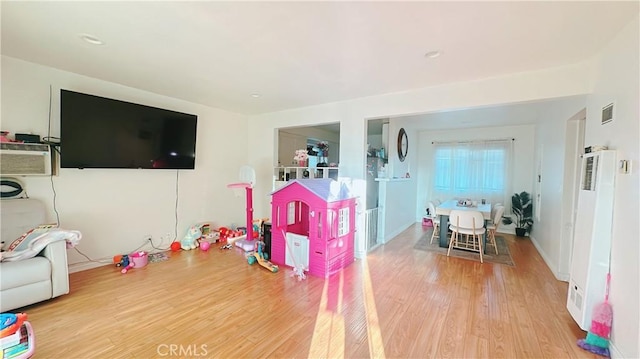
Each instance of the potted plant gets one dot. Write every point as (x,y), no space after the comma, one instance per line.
(522,208)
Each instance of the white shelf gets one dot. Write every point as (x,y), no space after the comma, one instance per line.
(289,173)
(398,179)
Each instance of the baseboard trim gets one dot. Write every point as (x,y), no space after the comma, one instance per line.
(564,277)
(559,276)
(614,352)
(395,233)
(82,266)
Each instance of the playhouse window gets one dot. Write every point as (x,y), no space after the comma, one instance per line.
(291,213)
(319,224)
(343,221)
(331,227)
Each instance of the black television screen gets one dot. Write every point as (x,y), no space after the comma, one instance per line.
(97,132)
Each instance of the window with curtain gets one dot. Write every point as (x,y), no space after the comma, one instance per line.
(476,170)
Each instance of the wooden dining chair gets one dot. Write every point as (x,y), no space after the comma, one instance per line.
(493,227)
(494,208)
(435,219)
(470,224)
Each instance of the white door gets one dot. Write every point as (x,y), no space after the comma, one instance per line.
(297,252)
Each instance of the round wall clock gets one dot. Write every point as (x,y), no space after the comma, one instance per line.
(403,144)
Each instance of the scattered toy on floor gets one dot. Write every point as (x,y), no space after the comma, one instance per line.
(204,245)
(121,260)
(259,256)
(10,323)
(127,268)
(224,233)
(175,246)
(298,271)
(190,241)
(158,257)
(211,237)
(17,339)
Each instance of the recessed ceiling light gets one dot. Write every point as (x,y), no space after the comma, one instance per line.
(91,39)
(432,54)
(255,95)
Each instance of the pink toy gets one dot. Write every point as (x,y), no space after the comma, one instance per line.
(137,260)
(325,211)
(4,137)
(205,245)
(249,208)
(248,179)
(126,269)
(597,340)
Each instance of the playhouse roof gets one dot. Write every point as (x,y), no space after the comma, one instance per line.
(327,189)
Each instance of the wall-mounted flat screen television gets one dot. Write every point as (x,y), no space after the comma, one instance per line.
(98,132)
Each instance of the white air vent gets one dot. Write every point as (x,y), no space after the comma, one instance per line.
(607,113)
(25,159)
(575,299)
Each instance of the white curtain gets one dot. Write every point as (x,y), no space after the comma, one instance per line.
(476,170)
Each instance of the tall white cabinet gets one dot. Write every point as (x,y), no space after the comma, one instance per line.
(592,235)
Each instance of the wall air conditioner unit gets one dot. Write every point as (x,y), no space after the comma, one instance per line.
(592,236)
(25,159)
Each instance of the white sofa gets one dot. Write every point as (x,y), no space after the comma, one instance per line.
(35,279)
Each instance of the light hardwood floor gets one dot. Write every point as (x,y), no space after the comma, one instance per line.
(398,303)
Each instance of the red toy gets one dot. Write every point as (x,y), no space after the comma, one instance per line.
(175,246)
(224,233)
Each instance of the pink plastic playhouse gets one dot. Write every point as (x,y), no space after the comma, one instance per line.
(313,225)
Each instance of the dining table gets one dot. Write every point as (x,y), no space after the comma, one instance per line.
(444,209)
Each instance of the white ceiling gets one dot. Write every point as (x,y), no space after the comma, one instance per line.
(297,54)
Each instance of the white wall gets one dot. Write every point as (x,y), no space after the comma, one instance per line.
(395,212)
(523,154)
(617,79)
(550,134)
(521,87)
(116,209)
